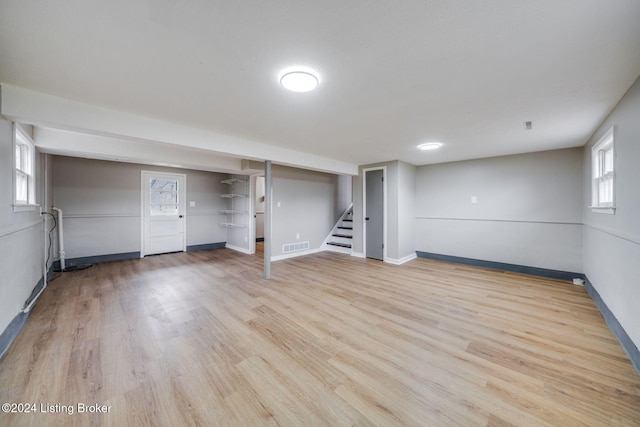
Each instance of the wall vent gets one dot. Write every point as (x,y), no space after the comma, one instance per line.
(295,247)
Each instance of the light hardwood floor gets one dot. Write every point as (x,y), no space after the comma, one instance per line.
(200,339)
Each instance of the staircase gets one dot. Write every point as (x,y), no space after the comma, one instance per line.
(340,238)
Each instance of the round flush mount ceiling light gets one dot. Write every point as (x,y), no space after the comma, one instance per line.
(299,80)
(430,146)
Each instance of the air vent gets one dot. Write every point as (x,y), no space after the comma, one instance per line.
(295,247)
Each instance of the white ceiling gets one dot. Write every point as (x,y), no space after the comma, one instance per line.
(393,74)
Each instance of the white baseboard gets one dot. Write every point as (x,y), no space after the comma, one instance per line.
(401,260)
(297,254)
(238,248)
(357,254)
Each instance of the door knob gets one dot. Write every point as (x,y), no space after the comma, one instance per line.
(367,218)
(179,216)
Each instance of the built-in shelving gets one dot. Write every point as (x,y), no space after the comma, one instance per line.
(236,215)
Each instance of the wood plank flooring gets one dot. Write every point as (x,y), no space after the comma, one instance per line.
(200,339)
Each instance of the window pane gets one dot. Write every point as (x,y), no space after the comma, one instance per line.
(22,185)
(164,197)
(164,209)
(164,184)
(608,160)
(18,157)
(605,190)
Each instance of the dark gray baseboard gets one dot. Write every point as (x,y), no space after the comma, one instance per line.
(533,271)
(616,328)
(72,262)
(12,331)
(206,246)
(16,325)
(259,239)
(612,322)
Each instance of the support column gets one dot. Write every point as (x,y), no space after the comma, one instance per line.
(267,219)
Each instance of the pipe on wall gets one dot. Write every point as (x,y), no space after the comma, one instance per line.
(61,253)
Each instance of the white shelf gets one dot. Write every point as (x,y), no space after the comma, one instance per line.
(232,211)
(233,196)
(232,225)
(232,180)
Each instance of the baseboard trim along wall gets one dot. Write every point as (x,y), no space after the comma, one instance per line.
(612,322)
(18,322)
(96,259)
(297,254)
(402,260)
(206,247)
(515,268)
(616,328)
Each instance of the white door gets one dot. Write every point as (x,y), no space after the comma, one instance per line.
(163,213)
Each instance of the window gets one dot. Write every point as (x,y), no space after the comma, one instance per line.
(24,191)
(603,175)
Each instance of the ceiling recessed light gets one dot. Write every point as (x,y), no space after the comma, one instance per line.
(299,80)
(430,146)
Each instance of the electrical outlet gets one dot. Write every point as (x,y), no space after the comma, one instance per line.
(278,204)
(246,239)
(474,199)
(297,236)
(192,204)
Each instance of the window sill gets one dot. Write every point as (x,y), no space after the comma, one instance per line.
(610,210)
(24,207)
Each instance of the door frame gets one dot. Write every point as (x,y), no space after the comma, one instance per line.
(384,210)
(182,202)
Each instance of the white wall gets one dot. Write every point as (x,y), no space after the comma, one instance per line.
(21,234)
(612,242)
(528,209)
(101,204)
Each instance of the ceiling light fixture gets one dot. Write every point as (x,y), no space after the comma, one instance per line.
(299,80)
(430,146)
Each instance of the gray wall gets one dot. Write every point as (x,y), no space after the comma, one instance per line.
(528,209)
(406,210)
(309,206)
(101,203)
(21,234)
(612,242)
(400,210)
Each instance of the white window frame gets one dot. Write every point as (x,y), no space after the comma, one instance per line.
(25,170)
(600,174)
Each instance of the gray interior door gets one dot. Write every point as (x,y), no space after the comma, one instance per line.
(374,214)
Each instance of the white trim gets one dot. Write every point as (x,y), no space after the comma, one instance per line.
(5,231)
(26,140)
(384,209)
(606,140)
(603,210)
(635,239)
(357,254)
(238,248)
(401,260)
(24,207)
(297,254)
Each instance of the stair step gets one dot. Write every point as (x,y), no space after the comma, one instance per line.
(342,245)
(345,228)
(346,236)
